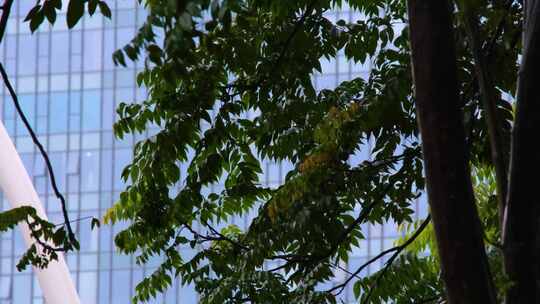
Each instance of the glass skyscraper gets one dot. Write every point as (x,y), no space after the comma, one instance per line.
(69,89)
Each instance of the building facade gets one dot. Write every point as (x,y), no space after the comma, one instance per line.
(69,88)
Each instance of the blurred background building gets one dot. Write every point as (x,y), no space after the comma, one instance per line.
(69,88)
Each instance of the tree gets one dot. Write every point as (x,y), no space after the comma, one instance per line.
(217,63)
(521,228)
(459,236)
(230,86)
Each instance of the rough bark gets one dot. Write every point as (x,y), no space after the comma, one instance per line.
(457,227)
(522,220)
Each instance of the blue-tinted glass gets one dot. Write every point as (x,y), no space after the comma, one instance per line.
(121,159)
(88,236)
(124,95)
(21,286)
(126,18)
(58,112)
(121,260)
(5,285)
(125,78)
(92,50)
(187,294)
(75,102)
(108,113)
(9,108)
(108,48)
(43,44)
(91,111)
(88,287)
(76,42)
(120,290)
(124,36)
(43,65)
(28,161)
(42,104)
(11,51)
(9,124)
(60,52)
(105,257)
(58,161)
(90,171)
(74,123)
(106,170)
(73,184)
(104,286)
(37,289)
(76,66)
(27,54)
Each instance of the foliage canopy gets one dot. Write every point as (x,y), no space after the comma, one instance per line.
(230,87)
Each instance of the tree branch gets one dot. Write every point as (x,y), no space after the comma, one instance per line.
(44,154)
(489,99)
(6,9)
(396,249)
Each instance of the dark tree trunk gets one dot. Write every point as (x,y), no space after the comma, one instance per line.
(522,219)
(457,226)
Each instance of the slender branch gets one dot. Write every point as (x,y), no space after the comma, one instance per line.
(75,221)
(44,154)
(223,237)
(285,265)
(344,235)
(396,249)
(43,244)
(489,99)
(6,9)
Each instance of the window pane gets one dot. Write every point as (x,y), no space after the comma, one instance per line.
(88,287)
(58,112)
(26,54)
(59,64)
(120,287)
(90,171)
(92,50)
(91,110)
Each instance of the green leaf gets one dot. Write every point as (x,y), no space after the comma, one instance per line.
(36,20)
(92,5)
(118,58)
(75,12)
(105,10)
(50,13)
(95,223)
(32,13)
(56,3)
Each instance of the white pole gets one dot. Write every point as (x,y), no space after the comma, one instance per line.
(55,280)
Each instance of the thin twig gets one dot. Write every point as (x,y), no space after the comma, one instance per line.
(44,154)
(75,220)
(6,9)
(398,250)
